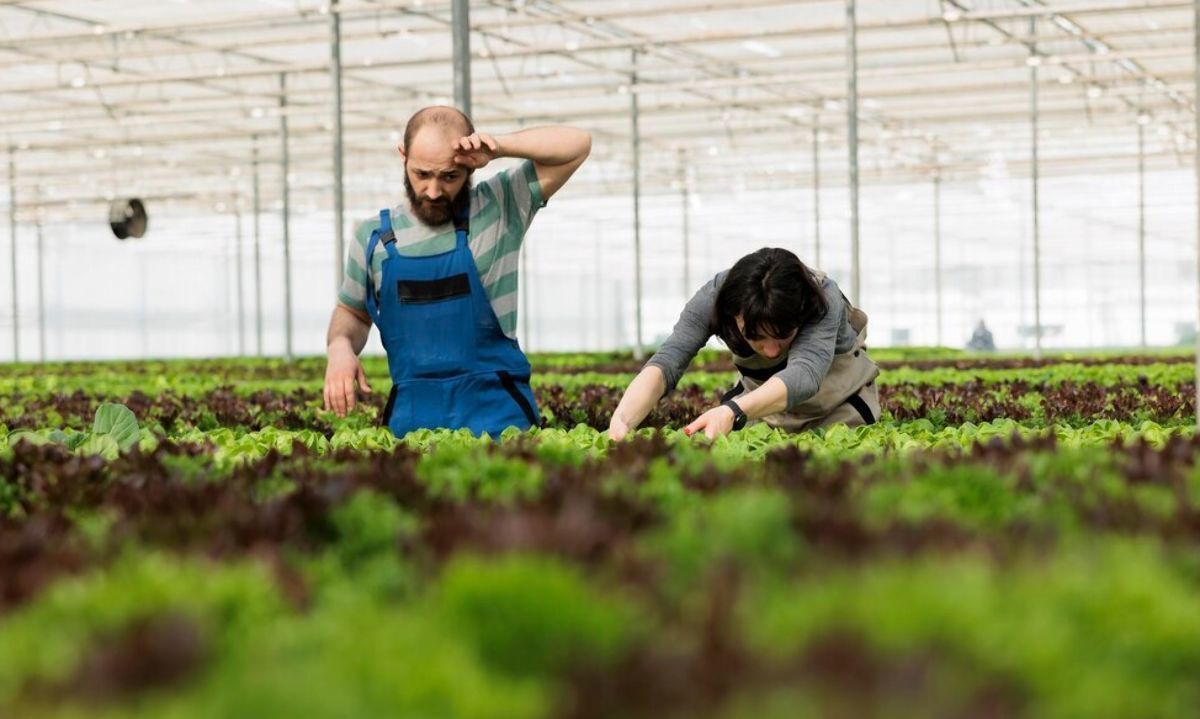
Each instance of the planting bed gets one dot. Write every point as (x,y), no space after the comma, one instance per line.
(1014,538)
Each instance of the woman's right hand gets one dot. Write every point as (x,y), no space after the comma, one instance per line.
(617,428)
(639,398)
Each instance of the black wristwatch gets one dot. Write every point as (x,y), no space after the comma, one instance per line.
(739,417)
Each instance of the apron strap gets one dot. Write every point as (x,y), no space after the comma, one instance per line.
(372,304)
(383,234)
(737,390)
(861,406)
(462,225)
(386,235)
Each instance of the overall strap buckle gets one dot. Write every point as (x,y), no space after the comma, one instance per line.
(386,235)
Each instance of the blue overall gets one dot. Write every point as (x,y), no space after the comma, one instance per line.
(451,364)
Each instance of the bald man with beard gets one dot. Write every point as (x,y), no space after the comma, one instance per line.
(438,276)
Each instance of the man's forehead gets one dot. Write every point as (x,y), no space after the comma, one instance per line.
(432,152)
(432,166)
(433,139)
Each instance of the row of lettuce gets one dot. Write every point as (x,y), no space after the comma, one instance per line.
(248,376)
(1013,541)
(561,576)
(890,357)
(116,429)
(171,413)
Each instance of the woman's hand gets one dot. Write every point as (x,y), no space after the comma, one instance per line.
(617,428)
(643,392)
(716,422)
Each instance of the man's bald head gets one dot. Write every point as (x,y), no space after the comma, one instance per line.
(449,120)
(433,180)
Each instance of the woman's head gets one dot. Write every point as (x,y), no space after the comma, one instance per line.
(767,297)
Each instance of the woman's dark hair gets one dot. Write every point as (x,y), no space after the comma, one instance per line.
(773,292)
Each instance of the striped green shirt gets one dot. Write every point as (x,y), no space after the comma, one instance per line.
(502,207)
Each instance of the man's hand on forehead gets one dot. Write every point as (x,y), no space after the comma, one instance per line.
(475,151)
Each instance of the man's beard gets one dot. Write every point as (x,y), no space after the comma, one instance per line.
(440,211)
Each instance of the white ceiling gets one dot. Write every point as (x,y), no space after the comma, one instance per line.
(176,97)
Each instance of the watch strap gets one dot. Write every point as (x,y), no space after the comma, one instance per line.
(739,417)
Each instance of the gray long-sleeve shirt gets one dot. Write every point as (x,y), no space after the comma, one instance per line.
(808,359)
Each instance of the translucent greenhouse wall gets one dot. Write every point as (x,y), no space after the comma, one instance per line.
(173,293)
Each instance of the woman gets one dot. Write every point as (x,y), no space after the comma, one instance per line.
(797,343)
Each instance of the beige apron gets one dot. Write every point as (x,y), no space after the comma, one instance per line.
(852,374)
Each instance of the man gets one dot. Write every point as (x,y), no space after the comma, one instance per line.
(438,276)
(981,340)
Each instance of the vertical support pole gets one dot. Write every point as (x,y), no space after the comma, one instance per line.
(639,351)
(1037,224)
(937,250)
(816,172)
(241,296)
(1022,262)
(221,264)
(1088,285)
(12,234)
(852,127)
(461,23)
(59,329)
(687,229)
(41,291)
(258,305)
(582,312)
(1196,76)
(339,195)
(1141,139)
(287,235)
(598,300)
(143,307)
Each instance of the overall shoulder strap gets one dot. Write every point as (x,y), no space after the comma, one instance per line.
(372,304)
(462,224)
(385,234)
(385,227)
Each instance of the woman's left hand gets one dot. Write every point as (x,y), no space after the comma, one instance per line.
(716,422)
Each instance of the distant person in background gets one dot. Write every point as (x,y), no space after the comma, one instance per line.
(981,340)
(438,275)
(797,342)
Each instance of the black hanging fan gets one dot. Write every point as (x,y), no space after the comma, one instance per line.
(127,218)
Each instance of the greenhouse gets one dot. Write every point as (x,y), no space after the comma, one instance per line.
(598,358)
